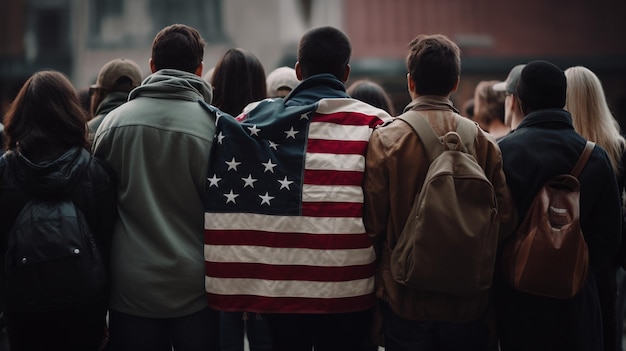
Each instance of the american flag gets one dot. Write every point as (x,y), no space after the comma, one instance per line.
(283,227)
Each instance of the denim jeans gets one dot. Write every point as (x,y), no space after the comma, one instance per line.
(195,332)
(404,335)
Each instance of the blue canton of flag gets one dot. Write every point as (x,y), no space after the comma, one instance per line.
(258,167)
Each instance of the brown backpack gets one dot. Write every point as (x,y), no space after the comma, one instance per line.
(449,242)
(548,255)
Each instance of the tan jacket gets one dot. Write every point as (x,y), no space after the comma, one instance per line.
(396,166)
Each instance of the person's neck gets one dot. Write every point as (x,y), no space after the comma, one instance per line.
(498,129)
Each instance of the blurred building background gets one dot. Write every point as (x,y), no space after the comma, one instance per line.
(78,36)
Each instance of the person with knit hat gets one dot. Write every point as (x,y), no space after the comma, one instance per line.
(115,80)
(543,146)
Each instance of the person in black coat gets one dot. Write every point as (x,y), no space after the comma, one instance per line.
(544,145)
(47,157)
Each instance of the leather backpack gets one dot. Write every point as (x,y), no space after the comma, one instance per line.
(548,255)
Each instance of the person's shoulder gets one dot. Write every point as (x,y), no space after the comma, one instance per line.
(392,130)
(601,154)
(95,122)
(516,138)
(353,106)
(100,170)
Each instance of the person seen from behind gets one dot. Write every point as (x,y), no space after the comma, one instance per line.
(544,145)
(155,144)
(283,223)
(115,80)
(592,118)
(48,159)
(413,319)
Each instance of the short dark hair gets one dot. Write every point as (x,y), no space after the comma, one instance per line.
(178,47)
(46,111)
(324,50)
(238,79)
(434,62)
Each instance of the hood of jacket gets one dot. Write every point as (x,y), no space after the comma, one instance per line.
(174,84)
(52,177)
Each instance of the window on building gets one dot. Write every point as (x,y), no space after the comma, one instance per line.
(129,23)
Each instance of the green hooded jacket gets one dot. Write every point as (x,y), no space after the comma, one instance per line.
(158,144)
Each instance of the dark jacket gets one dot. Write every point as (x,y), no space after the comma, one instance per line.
(108,104)
(544,145)
(93,191)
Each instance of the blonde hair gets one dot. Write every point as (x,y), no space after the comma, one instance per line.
(591,115)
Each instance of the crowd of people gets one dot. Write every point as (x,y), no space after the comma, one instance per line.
(231,203)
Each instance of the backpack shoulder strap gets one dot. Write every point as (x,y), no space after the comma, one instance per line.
(584,157)
(431,141)
(467,130)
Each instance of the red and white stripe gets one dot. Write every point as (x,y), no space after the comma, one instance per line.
(319,262)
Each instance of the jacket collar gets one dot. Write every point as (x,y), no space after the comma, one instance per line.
(557,118)
(431,102)
(316,87)
(110,102)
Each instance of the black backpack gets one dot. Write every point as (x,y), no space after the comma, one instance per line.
(52,261)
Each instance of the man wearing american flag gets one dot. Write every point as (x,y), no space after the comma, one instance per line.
(284,234)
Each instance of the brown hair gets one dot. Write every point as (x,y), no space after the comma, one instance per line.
(46,111)
(178,47)
(489,104)
(434,62)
